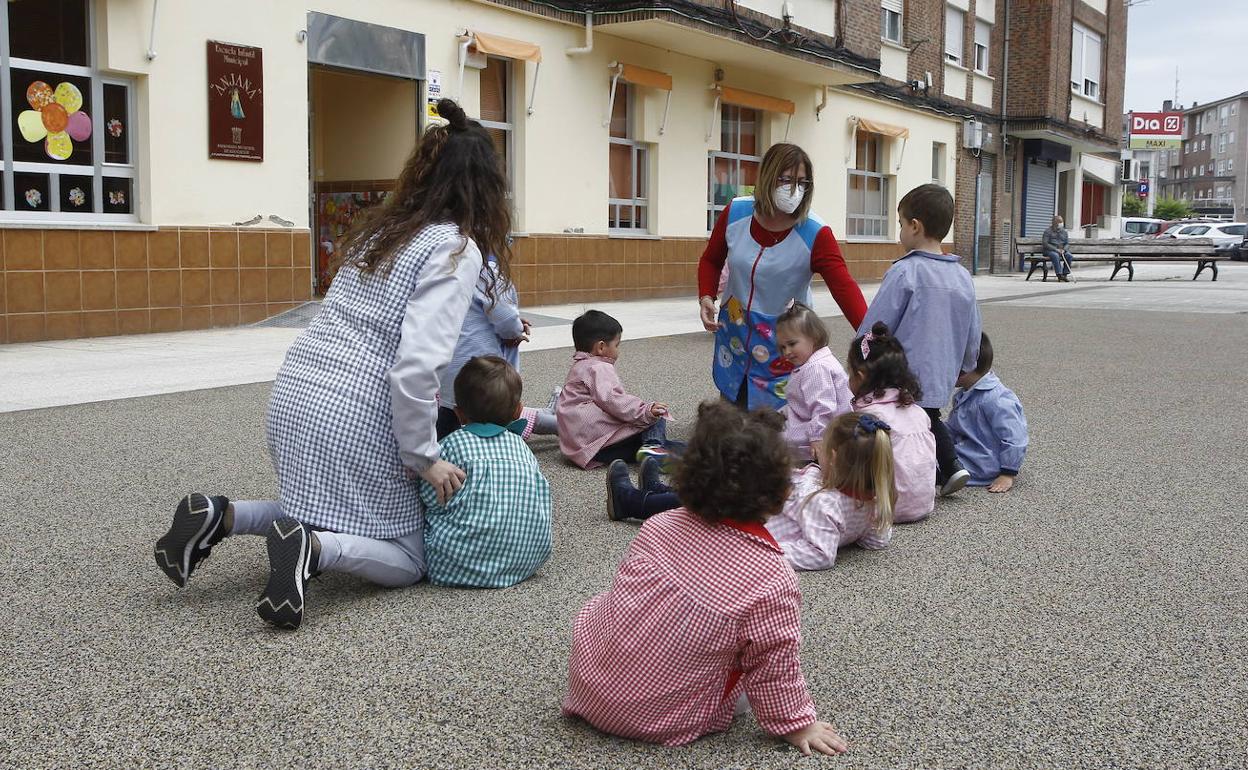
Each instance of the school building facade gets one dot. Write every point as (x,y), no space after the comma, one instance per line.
(172,166)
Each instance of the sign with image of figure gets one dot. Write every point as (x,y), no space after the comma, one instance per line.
(235,102)
(1156,130)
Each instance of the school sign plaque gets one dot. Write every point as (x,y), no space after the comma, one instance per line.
(235,102)
(1156,130)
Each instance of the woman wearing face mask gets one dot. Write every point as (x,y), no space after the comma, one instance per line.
(773,246)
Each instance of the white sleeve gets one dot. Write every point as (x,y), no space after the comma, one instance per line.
(435,313)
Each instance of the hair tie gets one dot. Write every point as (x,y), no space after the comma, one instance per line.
(865,345)
(790,304)
(869,423)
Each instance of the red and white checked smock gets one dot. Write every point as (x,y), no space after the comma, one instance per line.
(594,410)
(698,614)
(816,521)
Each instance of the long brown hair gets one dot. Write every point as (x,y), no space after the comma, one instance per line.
(453,175)
(778,159)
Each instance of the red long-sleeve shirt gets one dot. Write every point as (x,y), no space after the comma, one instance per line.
(825,259)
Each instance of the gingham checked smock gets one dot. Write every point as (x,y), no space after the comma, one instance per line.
(698,614)
(354,404)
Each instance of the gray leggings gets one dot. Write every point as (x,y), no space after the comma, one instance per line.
(391,563)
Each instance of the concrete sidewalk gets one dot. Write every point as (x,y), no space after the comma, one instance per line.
(46,374)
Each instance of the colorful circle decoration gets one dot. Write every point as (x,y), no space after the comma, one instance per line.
(781,387)
(55,118)
(114,128)
(763,330)
(760,353)
(738,347)
(77,196)
(725,357)
(33,198)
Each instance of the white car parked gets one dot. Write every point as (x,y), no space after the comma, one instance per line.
(1223,234)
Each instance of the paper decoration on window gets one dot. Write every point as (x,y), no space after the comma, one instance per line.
(56,118)
(117,197)
(77,196)
(114,128)
(34,198)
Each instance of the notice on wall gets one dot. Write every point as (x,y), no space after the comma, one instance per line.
(235,102)
(434,87)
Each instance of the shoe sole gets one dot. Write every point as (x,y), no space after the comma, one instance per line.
(611,492)
(282,601)
(955,483)
(192,523)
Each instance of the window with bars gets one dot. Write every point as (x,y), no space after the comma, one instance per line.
(867,205)
(629,168)
(70,147)
(497,113)
(733,170)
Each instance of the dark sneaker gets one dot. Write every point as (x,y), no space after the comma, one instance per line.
(618,481)
(554,399)
(290,565)
(652,476)
(660,453)
(195,530)
(955,482)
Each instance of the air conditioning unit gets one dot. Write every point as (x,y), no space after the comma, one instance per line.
(1130,170)
(972,135)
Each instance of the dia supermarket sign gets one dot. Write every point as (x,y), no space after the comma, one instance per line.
(1156,130)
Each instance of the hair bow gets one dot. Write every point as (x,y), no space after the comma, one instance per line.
(865,345)
(789,306)
(868,423)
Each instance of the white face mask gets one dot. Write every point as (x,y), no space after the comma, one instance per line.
(787,199)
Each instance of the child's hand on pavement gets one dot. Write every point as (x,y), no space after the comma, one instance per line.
(1002,483)
(817,736)
(657,409)
(446,479)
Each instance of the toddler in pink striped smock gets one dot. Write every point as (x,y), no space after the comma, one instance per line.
(818,389)
(704,613)
(883,385)
(846,499)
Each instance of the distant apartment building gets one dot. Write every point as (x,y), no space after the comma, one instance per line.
(1209,169)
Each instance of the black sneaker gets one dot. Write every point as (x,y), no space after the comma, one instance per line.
(195,530)
(618,480)
(290,565)
(652,476)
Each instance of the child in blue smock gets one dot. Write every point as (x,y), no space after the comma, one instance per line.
(988,427)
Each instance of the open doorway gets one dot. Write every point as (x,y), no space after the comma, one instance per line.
(363,127)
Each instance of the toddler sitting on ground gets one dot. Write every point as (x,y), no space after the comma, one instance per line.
(988,426)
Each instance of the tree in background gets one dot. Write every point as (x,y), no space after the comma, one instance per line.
(1172,208)
(1133,206)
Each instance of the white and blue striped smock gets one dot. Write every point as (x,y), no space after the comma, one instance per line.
(355,401)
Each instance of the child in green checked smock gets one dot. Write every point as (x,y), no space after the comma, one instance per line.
(494,531)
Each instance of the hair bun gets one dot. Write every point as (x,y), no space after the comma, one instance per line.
(879,329)
(453,114)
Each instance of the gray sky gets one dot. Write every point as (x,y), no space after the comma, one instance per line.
(1206,39)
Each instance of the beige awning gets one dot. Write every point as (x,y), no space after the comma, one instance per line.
(878,127)
(756,101)
(497,45)
(641,76)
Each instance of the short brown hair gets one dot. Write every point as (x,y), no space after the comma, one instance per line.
(736,466)
(487,389)
(804,320)
(778,159)
(932,205)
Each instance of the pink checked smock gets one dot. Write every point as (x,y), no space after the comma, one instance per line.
(594,410)
(914,454)
(811,532)
(818,391)
(698,614)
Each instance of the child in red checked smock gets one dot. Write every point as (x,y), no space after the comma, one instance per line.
(705,613)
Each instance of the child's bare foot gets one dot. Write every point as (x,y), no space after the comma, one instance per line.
(817,736)
(1002,483)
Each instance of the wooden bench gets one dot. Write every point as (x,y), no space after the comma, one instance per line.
(1125,251)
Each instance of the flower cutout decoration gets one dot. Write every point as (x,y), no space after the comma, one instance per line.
(77,196)
(33,198)
(116,198)
(114,128)
(56,118)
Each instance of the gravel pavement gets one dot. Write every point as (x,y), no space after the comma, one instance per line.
(1094,617)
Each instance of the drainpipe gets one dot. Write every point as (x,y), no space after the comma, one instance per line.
(823,103)
(1005,96)
(465,36)
(589,36)
(151,42)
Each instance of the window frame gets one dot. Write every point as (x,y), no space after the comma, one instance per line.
(939,159)
(98,169)
(982,51)
(507,126)
(1080,37)
(958,57)
(713,209)
(886,16)
(881,221)
(639,168)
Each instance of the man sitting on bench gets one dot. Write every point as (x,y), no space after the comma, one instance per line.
(1054,243)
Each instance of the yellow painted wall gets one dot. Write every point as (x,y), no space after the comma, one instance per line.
(363,125)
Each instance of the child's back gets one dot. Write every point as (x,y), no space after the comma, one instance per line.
(989,430)
(495,531)
(696,608)
(914,453)
(815,522)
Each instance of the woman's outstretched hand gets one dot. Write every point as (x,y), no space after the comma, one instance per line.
(446,479)
(706,305)
(817,737)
